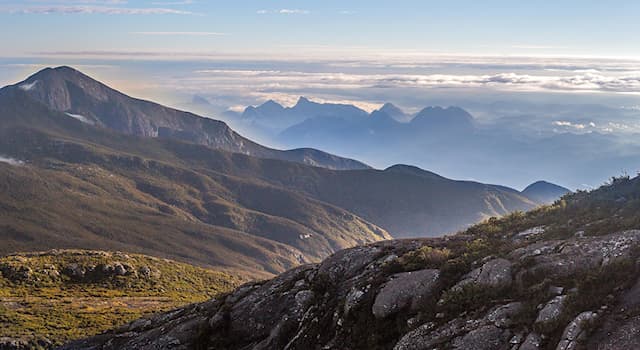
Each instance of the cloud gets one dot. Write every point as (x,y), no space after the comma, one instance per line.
(91,9)
(10,160)
(294,11)
(570,124)
(511,81)
(181,33)
(284,12)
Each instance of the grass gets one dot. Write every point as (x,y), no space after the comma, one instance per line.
(58,308)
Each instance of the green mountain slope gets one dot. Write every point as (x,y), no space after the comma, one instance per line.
(87,187)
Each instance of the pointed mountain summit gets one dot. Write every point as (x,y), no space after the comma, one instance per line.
(394,112)
(272,117)
(67,90)
(303,101)
(271,106)
(310,109)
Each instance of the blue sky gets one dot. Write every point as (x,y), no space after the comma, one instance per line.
(282,28)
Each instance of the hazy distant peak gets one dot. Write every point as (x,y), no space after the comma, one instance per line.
(200,100)
(271,106)
(436,116)
(393,111)
(544,192)
(270,103)
(544,185)
(303,101)
(390,107)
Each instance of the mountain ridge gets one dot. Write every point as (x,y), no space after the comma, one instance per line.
(204,205)
(67,90)
(72,161)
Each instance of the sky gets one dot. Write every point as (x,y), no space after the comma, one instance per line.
(568,45)
(293,28)
(514,61)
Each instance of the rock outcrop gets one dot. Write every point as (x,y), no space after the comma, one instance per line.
(361,299)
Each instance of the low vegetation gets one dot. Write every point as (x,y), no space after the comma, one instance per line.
(52,297)
(609,208)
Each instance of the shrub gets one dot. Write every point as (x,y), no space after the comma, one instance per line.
(424,257)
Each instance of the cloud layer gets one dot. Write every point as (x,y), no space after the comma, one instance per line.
(587,82)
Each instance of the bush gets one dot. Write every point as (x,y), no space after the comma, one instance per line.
(424,257)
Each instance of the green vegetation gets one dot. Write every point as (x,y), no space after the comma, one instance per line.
(64,295)
(424,257)
(613,207)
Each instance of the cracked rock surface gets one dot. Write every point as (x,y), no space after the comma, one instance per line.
(531,296)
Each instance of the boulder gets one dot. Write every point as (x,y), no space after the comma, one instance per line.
(575,331)
(501,316)
(407,290)
(427,336)
(567,258)
(16,272)
(487,337)
(533,341)
(552,310)
(74,271)
(494,273)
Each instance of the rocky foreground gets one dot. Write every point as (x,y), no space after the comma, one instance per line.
(519,292)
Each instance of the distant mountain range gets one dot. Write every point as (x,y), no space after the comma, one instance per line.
(274,117)
(449,140)
(84,166)
(307,119)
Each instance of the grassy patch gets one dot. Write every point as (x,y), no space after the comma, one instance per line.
(47,302)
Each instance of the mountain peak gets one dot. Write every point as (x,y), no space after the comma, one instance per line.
(393,111)
(390,108)
(49,71)
(64,89)
(438,117)
(65,69)
(302,101)
(56,86)
(270,103)
(544,192)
